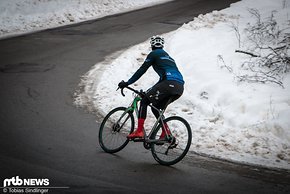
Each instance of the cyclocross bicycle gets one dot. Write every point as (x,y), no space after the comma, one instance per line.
(120,122)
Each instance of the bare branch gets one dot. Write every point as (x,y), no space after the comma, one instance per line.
(235,27)
(247,53)
(220,58)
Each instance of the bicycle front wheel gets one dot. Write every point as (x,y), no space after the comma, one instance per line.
(114,129)
(177,145)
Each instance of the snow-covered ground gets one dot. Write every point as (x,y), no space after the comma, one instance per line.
(238,121)
(18,17)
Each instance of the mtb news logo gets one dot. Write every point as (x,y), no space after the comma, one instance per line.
(19,185)
(16,181)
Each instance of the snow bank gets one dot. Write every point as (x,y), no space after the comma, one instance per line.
(24,16)
(244,122)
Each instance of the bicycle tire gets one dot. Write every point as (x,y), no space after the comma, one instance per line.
(184,137)
(118,131)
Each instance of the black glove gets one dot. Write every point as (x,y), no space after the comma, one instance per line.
(123,84)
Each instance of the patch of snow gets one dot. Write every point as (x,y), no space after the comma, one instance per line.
(18,17)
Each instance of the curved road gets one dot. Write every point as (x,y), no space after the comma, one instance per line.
(44,136)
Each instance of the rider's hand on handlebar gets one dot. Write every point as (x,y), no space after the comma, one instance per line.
(123,84)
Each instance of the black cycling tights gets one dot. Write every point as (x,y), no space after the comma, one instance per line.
(159,95)
(145,102)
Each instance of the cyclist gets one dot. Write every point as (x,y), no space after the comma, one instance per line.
(169,86)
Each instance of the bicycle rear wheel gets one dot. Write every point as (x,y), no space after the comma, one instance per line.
(177,146)
(114,130)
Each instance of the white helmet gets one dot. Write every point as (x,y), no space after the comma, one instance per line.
(157,41)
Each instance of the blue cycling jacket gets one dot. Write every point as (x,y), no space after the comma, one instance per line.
(163,65)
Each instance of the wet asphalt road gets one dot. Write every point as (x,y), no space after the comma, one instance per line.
(43,135)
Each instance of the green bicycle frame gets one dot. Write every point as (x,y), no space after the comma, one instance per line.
(132,108)
(134,105)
